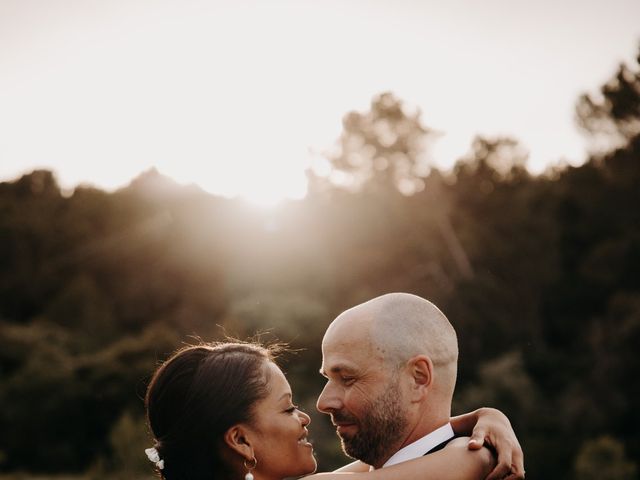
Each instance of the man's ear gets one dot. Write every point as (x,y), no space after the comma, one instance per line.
(420,369)
(237,439)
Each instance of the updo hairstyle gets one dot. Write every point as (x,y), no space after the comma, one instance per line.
(195,397)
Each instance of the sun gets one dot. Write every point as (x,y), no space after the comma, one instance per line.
(269,197)
(262,184)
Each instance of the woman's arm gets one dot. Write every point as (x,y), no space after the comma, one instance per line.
(454,462)
(463,424)
(354,467)
(491,426)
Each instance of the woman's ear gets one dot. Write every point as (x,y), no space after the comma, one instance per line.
(237,439)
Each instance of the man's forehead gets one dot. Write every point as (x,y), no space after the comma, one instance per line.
(346,344)
(340,355)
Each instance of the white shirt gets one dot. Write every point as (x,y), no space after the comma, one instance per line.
(421,446)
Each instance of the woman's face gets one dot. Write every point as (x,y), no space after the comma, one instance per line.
(281,447)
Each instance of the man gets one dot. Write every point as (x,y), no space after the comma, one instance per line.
(391,366)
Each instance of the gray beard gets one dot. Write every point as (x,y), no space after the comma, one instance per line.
(380,431)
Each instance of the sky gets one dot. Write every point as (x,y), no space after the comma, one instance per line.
(241,97)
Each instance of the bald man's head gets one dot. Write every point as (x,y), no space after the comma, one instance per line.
(399,326)
(406,325)
(390,365)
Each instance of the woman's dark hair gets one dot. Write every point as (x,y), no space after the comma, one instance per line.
(196,396)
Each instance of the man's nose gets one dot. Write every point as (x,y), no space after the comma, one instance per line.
(330,399)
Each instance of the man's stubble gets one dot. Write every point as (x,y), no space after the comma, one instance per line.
(379,433)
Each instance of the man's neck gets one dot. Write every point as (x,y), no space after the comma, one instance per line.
(420,430)
(424,427)
(433,440)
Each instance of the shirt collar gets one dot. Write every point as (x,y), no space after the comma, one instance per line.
(421,446)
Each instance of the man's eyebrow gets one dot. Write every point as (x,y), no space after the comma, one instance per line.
(337,369)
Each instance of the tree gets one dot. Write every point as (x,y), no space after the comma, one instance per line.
(613,114)
(383,148)
(604,459)
(499,158)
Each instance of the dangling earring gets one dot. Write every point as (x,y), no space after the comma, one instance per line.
(250,466)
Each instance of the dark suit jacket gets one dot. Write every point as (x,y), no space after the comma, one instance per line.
(440,446)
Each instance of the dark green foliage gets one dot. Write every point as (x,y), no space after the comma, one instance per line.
(604,459)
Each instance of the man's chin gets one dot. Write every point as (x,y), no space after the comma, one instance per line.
(346,448)
(352,452)
(349,444)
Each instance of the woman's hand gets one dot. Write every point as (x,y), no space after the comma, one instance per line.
(491,427)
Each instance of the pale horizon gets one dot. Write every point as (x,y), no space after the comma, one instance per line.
(240,100)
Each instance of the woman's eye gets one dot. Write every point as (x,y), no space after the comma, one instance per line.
(291,409)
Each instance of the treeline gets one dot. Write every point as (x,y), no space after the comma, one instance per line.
(539,275)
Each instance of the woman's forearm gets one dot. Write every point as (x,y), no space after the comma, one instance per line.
(354,467)
(455,462)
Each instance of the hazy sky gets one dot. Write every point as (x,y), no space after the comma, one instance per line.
(239,96)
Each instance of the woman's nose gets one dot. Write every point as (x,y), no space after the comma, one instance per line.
(306,419)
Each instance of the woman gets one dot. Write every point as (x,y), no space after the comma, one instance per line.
(225,411)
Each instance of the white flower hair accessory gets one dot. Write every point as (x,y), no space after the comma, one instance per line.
(154,457)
